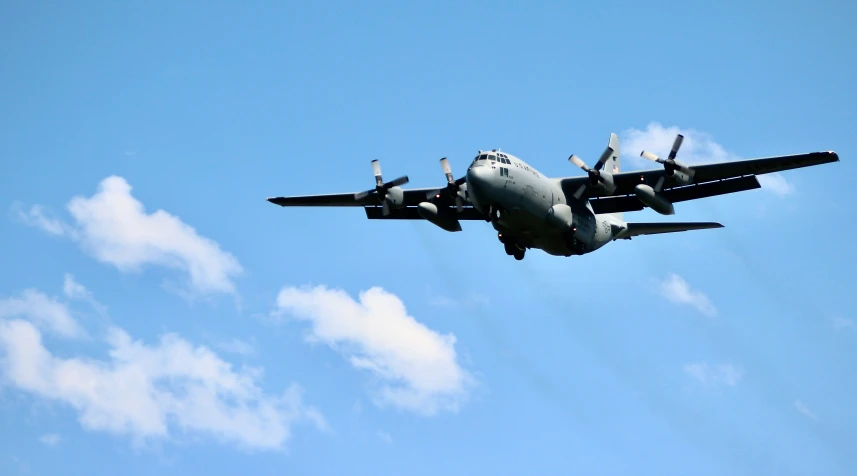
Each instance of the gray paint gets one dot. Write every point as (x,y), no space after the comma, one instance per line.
(531,211)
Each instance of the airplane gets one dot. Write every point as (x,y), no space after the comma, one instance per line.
(564,216)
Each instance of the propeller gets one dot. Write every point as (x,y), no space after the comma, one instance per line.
(452,189)
(670,164)
(381,187)
(594,173)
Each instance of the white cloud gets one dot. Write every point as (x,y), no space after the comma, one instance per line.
(50,439)
(385,437)
(776,183)
(49,314)
(473,300)
(74,290)
(415,365)
(840,323)
(677,290)
(147,391)
(804,410)
(696,148)
(36,217)
(237,346)
(115,228)
(714,375)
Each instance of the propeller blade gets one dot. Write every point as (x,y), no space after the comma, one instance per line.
(579,192)
(385,208)
(447,170)
(376,169)
(605,156)
(578,162)
(362,195)
(660,184)
(396,182)
(651,156)
(678,140)
(459,203)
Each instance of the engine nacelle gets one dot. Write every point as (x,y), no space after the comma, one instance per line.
(395,197)
(605,182)
(430,212)
(653,200)
(682,177)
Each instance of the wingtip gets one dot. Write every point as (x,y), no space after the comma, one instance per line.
(834,154)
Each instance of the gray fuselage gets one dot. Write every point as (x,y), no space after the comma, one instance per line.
(519,199)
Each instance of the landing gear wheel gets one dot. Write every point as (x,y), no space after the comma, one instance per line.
(519,254)
(510,249)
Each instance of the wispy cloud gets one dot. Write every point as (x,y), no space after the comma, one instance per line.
(237,346)
(115,228)
(385,437)
(840,323)
(675,289)
(471,301)
(50,439)
(417,367)
(151,391)
(74,290)
(36,216)
(804,410)
(697,148)
(714,375)
(45,312)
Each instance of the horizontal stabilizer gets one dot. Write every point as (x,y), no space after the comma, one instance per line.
(636,229)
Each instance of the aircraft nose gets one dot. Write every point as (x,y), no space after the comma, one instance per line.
(478,177)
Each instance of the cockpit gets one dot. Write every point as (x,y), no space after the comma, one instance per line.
(484,158)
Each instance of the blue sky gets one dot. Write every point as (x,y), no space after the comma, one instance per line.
(157,315)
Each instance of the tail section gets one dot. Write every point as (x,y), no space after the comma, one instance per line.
(613,164)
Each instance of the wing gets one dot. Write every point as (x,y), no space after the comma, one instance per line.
(411,213)
(637,229)
(412,197)
(709,180)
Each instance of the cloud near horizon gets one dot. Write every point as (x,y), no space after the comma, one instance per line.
(715,375)
(697,147)
(416,367)
(147,391)
(114,227)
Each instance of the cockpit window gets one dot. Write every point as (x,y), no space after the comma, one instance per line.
(483,156)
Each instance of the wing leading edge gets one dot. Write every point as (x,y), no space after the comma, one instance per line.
(709,180)
(412,197)
(637,229)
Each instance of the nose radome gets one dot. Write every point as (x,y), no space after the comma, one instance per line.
(477,177)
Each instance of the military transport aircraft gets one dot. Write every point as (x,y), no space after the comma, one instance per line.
(561,216)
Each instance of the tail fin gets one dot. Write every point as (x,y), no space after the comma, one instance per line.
(613,164)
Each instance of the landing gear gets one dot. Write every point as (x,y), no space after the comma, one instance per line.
(513,248)
(576,246)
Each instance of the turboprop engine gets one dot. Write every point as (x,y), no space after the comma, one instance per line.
(389,194)
(680,174)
